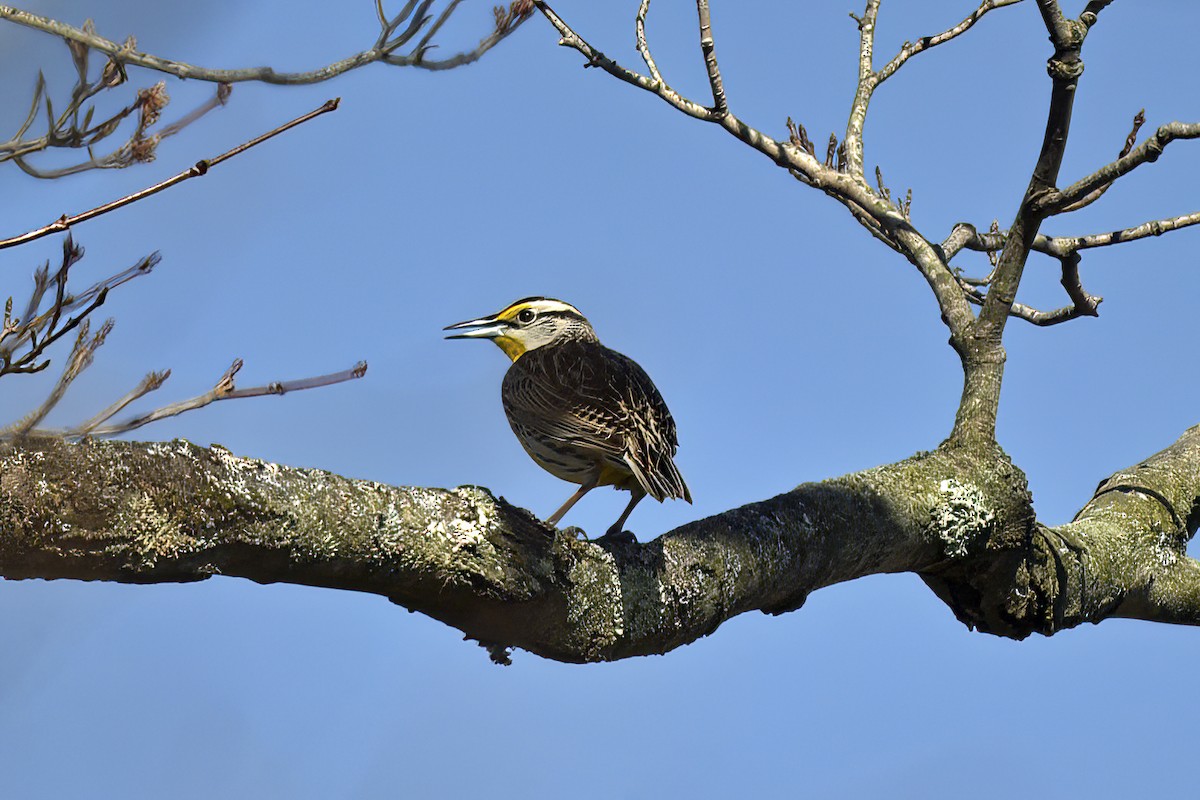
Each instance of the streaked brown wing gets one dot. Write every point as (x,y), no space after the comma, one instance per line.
(585,395)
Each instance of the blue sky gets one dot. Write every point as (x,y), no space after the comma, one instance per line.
(790,345)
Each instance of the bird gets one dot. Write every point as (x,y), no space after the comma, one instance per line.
(585,413)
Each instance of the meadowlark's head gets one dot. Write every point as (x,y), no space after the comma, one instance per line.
(527,325)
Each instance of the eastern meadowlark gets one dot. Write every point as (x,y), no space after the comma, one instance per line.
(583,412)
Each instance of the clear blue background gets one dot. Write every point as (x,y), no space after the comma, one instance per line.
(790,345)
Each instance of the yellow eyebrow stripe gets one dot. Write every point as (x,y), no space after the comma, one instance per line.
(540,305)
(512,311)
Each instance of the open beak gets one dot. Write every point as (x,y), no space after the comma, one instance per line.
(482,328)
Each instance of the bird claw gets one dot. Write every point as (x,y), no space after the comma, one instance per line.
(575,532)
(618,536)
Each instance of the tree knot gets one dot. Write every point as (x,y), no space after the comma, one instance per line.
(1065,69)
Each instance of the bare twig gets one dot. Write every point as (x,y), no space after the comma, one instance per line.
(1082,303)
(869,78)
(643,46)
(68,131)
(150,383)
(595,58)
(34,323)
(500,13)
(195,171)
(1064,68)
(1060,246)
(225,389)
(880,217)
(383,51)
(39,329)
(720,105)
(850,156)
(1139,119)
(911,49)
(884,192)
(80,359)
(1064,244)
(1145,153)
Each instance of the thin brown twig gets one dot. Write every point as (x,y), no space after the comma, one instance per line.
(196,170)
(225,389)
(151,382)
(139,148)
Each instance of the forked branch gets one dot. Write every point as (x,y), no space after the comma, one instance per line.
(1065,68)
(24,340)
(1145,153)
(24,343)
(869,78)
(75,126)
(965,236)
(883,218)
(224,389)
(911,49)
(396,33)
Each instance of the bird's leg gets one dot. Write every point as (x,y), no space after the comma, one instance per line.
(573,499)
(618,527)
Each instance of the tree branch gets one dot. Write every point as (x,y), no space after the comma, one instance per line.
(196,170)
(1082,303)
(1145,153)
(869,78)
(595,58)
(867,81)
(1064,67)
(880,216)
(911,49)
(225,389)
(965,236)
(175,512)
(708,47)
(962,519)
(383,50)
(39,329)
(643,46)
(75,128)
(982,352)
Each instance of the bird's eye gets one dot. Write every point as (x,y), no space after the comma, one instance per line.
(526,316)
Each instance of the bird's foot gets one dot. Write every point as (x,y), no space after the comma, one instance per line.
(615,534)
(575,532)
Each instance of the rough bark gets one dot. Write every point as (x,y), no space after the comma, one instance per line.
(960,517)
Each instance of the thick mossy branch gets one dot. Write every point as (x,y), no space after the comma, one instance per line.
(962,518)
